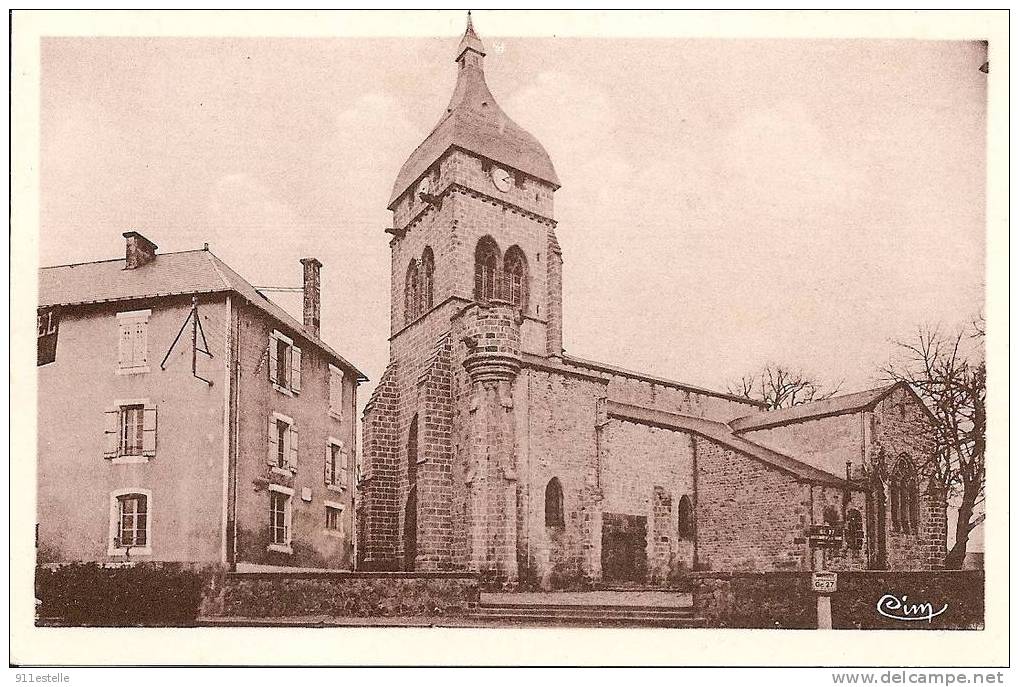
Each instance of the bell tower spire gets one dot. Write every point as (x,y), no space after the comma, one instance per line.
(471,49)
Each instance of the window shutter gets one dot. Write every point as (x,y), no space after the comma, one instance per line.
(149,431)
(329,464)
(293,447)
(272,443)
(295,369)
(124,348)
(111,432)
(272,359)
(344,465)
(141,342)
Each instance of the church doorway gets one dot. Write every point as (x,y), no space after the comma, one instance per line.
(623,548)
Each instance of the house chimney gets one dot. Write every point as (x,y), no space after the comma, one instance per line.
(312,297)
(140,251)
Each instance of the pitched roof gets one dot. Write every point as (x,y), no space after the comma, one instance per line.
(574,361)
(836,405)
(170,274)
(721,433)
(473,121)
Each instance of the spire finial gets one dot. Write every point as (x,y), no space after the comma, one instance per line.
(470,40)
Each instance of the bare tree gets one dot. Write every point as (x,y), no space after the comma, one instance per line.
(948,371)
(782,387)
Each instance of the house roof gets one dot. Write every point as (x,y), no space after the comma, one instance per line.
(836,405)
(169,274)
(721,433)
(474,122)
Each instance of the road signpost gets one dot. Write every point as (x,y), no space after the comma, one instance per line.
(822,582)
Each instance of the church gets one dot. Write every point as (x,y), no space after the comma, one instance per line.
(487,448)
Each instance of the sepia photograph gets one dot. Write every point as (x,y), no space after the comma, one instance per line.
(461,321)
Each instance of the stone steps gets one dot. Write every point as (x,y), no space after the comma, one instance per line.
(612,610)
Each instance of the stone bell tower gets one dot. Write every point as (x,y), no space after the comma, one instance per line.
(476,283)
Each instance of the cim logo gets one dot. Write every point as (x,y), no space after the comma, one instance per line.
(895,608)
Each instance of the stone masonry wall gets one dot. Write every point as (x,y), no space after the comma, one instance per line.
(750,516)
(637,461)
(901,430)
(556,437)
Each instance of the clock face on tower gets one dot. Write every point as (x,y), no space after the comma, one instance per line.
(502,179)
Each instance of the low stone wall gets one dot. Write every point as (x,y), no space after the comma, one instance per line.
(121,595)
(351,594)
(785,600)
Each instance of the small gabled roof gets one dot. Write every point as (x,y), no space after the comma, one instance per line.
(836,405)
(722,434)
(169,274)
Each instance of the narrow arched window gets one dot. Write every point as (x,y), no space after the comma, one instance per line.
(854,529)
(554,504)
(486,270)
(412,290)
(905,513)
(515,270)
(427,279)
(685,518)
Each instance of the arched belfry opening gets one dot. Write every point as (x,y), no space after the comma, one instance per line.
(515,277)
(486,270)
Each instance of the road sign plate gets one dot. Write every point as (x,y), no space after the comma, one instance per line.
(824,582)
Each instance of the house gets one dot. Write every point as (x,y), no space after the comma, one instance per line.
(183,416)
(488,448)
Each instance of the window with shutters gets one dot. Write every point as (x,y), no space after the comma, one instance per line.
(130,431)
(280,498)
(133,344)
(282,444)
(334,518)
(336,392)
(130,523)
(284,364)
(337,465)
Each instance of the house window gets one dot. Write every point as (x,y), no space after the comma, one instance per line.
(133,349)
(130,432)
(334,517)
(130,522)
(486,270)
(685,518)
(284,363)
(47,322)
(282,450)
(336,464)
(336,392)
(554,504)
(854,529)
(279,518)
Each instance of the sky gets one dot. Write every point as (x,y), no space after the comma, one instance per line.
(724,203)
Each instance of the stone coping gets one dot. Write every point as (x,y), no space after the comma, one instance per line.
(349,574)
